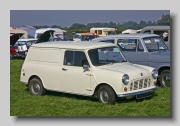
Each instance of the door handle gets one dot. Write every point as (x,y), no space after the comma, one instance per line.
(89,74)
(64,69)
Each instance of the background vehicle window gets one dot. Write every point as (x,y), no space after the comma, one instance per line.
(147,32)
(108,41)
(162,34)
(154,44)
(75,58)
(127,44)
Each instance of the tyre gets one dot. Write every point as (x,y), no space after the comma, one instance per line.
(106,95)
(36,87)
(165,78)
(11,56)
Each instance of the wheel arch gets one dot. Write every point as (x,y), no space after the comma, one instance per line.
(34,76)
(163,68)
(95,94)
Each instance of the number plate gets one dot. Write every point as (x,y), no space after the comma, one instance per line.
(144,95)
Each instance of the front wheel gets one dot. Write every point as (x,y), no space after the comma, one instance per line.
(165,78)
(36,87)
(106,95)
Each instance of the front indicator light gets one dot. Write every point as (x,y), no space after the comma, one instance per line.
(155,82)
(125,89)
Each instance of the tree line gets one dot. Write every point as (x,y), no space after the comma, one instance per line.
(78,27)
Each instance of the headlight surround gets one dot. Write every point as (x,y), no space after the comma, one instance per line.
(155,74)
(125,79)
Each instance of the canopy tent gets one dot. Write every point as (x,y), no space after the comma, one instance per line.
(30,29)
(17,30)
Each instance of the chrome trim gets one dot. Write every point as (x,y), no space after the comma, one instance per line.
(139,92)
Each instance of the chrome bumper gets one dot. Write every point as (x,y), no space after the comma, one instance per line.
(138,92)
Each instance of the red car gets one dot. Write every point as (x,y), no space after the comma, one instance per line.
(13,39)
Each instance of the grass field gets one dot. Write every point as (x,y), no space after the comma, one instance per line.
(61,104)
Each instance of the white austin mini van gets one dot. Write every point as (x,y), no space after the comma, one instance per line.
(94,69)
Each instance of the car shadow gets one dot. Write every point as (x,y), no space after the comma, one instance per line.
(80,97)
(67,95)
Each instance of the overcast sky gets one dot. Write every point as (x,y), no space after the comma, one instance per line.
(66,18)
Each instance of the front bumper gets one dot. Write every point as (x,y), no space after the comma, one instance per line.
(138,92)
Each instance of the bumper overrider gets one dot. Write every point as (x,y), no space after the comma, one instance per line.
(138,92)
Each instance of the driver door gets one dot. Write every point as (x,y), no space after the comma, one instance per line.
(74,78)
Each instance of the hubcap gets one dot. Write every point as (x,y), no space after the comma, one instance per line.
(166,80)
(104,96)
(36,88)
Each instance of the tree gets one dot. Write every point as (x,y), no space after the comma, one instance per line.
(165,20)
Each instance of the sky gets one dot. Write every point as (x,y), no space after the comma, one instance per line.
(65,18)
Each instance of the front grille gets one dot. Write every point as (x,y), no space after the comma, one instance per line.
(140,84)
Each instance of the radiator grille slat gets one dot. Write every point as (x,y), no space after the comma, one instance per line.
(140,84)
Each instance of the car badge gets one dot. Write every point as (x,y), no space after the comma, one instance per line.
(141,74)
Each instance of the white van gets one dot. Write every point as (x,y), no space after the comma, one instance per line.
(131,31)
(58,32)
(103,31)
(86,68)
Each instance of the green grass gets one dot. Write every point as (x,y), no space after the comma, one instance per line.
(61,104)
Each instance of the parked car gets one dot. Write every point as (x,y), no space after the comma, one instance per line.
(163,31)
(22,46)
(93,69)
(85,36)
(13,39)
(144,49)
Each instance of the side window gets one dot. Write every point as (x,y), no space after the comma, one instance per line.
(68,58)
(127,44)
(75,58)
(108,41)
(147,32)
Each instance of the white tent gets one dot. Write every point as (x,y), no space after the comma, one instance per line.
(17,30)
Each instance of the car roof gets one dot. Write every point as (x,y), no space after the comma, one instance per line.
(73,45)
(156,28)
(127,36)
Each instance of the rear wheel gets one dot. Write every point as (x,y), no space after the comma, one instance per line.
(106,95)
(36,87)
(165,78)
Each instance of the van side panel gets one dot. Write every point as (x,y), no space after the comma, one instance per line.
(45,63)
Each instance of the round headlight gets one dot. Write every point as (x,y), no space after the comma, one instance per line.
(155,74)
(125,79)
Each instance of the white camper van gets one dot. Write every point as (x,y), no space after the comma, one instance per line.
(58,32)
(131,31)
(103,31)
